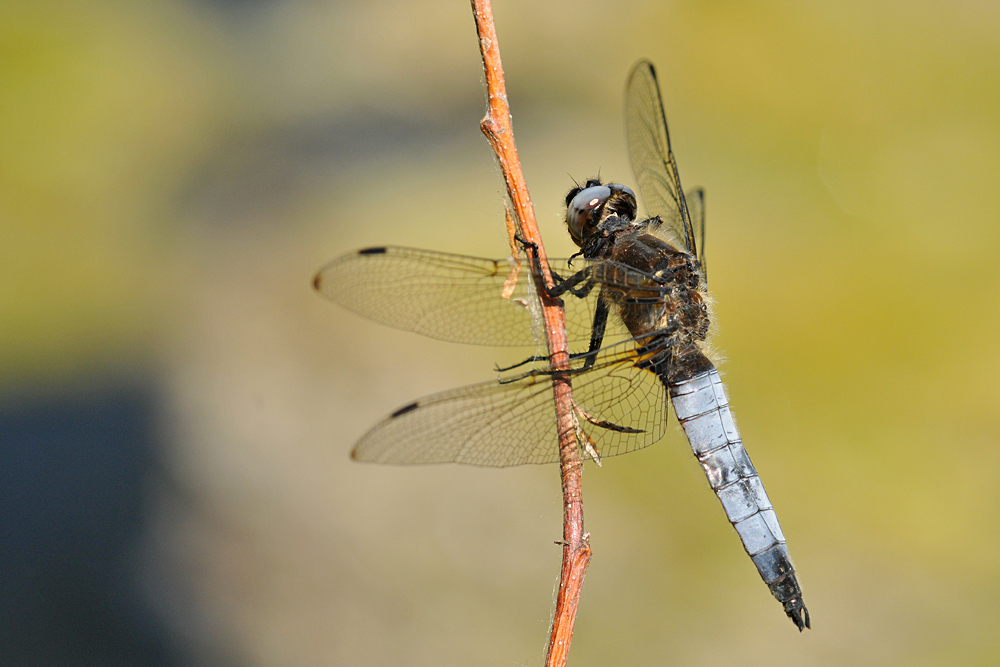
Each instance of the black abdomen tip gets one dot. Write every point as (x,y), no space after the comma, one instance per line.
(797,611)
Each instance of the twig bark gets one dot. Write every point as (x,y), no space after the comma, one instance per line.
(576,548)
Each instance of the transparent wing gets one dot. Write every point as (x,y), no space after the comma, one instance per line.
(461,299)
(508,423)
(652,160)
(696,207)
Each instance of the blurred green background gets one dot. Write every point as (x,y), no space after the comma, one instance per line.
(177,405)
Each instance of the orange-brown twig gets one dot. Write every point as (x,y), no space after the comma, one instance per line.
(576,548)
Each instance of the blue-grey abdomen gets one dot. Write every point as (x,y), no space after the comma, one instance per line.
(702,408)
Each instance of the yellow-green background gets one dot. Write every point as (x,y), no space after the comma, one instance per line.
(172,173)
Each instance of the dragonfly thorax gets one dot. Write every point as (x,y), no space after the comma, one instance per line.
(671,301)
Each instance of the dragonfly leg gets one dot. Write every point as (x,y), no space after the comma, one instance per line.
(530,360)
(597,330)
(590,356)
(561,285)
(603,423)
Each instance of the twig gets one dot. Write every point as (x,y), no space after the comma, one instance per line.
(576,548)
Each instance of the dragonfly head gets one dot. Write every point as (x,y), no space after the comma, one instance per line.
(589,206)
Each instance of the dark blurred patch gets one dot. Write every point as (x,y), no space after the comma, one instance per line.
(75,470)
(251,174)
(236,6)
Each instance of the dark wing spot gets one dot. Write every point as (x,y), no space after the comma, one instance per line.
(403,410)
(317,282)
(372,251)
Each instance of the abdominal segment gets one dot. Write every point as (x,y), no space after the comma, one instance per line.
(702,408)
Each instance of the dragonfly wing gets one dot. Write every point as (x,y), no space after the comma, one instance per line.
(696,207)
(512,422)
(652,159)
(461,299)
(622,407)
(443,296)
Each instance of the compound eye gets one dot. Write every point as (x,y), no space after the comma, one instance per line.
(580,212)
(623,202)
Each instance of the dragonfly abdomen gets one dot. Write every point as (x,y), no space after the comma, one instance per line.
(702,408)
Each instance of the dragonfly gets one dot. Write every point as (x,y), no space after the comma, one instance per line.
(635,295)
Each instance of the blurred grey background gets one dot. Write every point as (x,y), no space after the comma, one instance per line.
(177,405)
